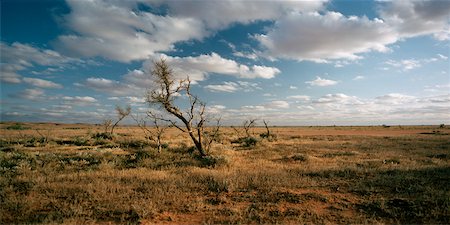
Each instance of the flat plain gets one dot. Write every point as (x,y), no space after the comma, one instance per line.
(68,173)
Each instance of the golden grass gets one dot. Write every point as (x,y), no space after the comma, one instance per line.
(307,175)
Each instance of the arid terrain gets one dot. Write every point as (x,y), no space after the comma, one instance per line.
(68,173)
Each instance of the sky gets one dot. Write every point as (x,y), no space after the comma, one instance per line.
(323,62)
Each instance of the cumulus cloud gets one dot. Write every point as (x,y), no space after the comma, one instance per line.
(244,12)
(318,37)
(321,82)
(18,57)
(414,18)
(41,83)
(406,64)
(275,105)
(359,77)
(229,86)
(225,87)
(299,97)
(31,94)
(79,100)
(112,87)
(120,31)
(124,31)
(395,99)
(342,109)
(199,66)
(338,98)
(330,35)
(409,64)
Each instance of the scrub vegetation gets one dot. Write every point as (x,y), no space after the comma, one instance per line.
(67,173)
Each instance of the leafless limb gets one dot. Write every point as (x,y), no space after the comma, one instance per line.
(154,134)
(193,118)
(121,114)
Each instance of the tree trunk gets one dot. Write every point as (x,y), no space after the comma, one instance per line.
(198,145)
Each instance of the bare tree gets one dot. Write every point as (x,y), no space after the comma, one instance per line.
(106,124)
(267,128)
(154,134)
(211,135)
(246,126)
(164,94)
(121,114)
(269,135)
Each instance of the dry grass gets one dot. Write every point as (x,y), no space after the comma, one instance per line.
(307,175)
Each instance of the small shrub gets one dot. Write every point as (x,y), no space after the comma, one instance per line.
(299,157)
(270,137)
(214,161)
(165,146)
(215,184)
(246,141)
(81,141)
(17,126)
(34,142)
(103,135)
(135,144)
(391,161)
(294,158)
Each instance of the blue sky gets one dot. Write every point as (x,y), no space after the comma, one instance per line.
(327,62)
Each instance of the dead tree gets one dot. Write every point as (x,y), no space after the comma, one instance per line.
(121,114)
(167,89)
(247,125)
(211,135)
(106,124)
(267,129)
(269,135)
(154,134)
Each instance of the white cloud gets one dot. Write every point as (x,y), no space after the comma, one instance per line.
(41,83)
(119,31)
(18,57)
(216,109)
(316,37)
(338,98)
(134,99)
(277,105)
(299,97)
(31,94)
(414,18)
(293,87)
(239,11)
(198,67)
(321,82)
(359,77)
(122,31)
(443,57)
(225,87)
(79,100)
(406,64)
(329,35)
(409,64)
(109,86)
(395,99)
(229,86)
